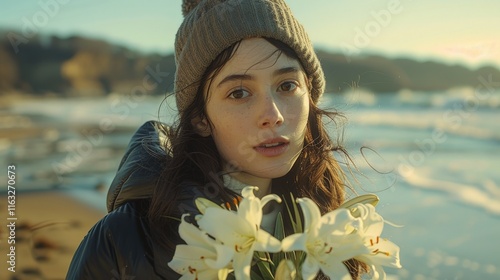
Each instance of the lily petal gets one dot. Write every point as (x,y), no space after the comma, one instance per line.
(208,274)
(266,242)
(266,199)
(337,270)
(250,210)
(189,256)
(337,236)
(190,262)
(191,234)
(226,226)
(241,264)
(384,252)
(310,268)
(311,212)
(247,192)
(338,222)
(294,242)
(372,221)
(224,256)
(343,248)
(202,257)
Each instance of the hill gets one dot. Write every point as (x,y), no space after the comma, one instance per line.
(83,66)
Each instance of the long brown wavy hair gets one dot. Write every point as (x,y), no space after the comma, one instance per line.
(315,174)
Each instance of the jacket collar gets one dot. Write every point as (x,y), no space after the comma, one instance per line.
(140,167)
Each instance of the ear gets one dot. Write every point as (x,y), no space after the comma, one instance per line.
(201,126)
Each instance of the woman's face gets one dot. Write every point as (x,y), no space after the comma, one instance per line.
(258,105)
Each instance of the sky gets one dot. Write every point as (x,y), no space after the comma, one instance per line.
(453,31)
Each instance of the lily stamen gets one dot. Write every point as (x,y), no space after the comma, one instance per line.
(376,241)
(244,246)
(377,251)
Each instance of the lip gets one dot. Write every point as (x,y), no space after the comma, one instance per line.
(272,147)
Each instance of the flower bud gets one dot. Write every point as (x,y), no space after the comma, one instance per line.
(286,271)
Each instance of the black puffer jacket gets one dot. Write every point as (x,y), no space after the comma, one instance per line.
(120,245)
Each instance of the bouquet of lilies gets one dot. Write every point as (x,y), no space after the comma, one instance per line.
(226,244)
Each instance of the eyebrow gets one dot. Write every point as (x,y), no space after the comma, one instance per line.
(239,77)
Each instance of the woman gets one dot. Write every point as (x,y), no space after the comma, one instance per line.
(247,86)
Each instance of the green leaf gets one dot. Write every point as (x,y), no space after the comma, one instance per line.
(279,229)
(256,276)
(265,270)
(297,257)
(295,217)
(290,213)
(279,233)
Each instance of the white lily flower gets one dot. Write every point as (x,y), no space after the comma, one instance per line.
(202,257)
(241,231)
(328,241)
(382,252)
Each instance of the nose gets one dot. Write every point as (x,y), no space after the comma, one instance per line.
(271,114)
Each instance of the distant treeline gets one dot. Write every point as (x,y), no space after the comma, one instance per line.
(82,66)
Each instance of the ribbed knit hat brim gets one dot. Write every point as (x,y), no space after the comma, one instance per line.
(213,25)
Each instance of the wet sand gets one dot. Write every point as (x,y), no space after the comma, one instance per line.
(49,227)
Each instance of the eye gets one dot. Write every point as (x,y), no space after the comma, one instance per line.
(287,86)
(238,94)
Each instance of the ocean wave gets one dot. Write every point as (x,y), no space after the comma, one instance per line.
(487,198)
(451,98)
(479,125)
(119,110)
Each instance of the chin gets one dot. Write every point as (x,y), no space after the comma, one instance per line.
(274,172)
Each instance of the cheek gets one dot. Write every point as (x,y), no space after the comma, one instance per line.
(233,137)
(227,119)
(300,112)
(301,120)
(226,131)
(225,122)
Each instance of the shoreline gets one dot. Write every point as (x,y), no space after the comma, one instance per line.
(48,228)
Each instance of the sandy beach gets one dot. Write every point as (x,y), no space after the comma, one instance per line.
(48,229)
(49,216)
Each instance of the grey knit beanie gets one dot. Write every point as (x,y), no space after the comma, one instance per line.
(210,26)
